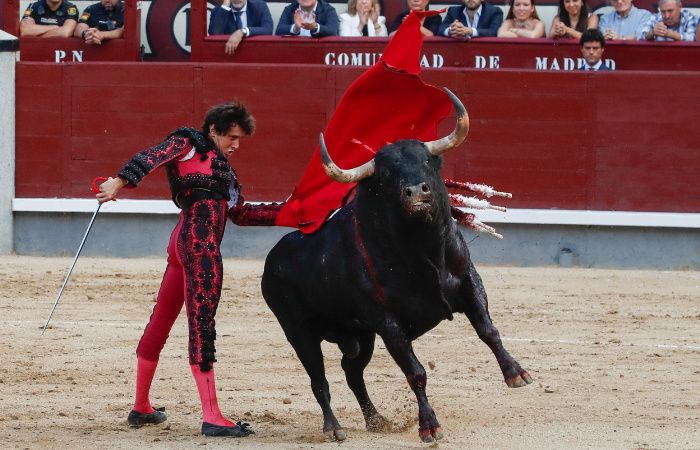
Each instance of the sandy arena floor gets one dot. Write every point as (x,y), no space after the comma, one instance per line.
(615,356)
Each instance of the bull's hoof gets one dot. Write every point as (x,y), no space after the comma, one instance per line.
(430,434)
(523,379)
(336,435)
(378,423)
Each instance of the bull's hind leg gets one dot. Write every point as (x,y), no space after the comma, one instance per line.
(477,310)
(306,343)
(354,366)
(308,350)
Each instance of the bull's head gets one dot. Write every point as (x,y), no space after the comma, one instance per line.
(409,168)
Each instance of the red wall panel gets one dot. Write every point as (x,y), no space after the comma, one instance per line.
(614,141)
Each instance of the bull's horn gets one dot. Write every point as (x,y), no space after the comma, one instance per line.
(344,175)
(458,135)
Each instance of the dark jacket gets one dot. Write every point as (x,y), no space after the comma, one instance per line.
(489,22)
(326,16)
(258,17)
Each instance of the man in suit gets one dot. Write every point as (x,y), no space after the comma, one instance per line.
(473,19)
(240,19)
(313,18)
(592,45)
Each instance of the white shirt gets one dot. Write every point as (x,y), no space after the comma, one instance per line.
(349,25)
(304,31)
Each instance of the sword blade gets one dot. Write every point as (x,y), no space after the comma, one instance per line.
(70,269)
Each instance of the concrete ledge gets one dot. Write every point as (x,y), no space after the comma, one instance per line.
(514,216)
(138,235)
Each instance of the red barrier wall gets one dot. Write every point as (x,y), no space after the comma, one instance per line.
(600,141)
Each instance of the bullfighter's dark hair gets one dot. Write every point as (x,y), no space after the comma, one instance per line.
(592,35)
(226,115)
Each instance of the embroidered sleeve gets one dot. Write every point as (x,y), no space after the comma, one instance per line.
(150,159)
(247,214)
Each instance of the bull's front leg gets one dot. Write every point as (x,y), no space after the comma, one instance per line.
(401,349)
(477,311)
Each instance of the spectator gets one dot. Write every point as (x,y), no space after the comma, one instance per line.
(101,21)
(363,19)
(671,23)
(49,18)
(625,22)
(592,45)
(430,26)
(314,18)
(572,20)
(239,19)
(474,19)
(522,21)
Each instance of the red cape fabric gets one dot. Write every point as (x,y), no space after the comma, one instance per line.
(387,103)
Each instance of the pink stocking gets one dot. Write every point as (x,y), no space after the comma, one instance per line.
(145,370)
(206,385)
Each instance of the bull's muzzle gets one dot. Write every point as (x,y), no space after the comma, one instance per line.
(417,198)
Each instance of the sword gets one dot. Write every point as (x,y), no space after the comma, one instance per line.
(95,189)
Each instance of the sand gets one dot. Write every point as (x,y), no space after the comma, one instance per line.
(615,356)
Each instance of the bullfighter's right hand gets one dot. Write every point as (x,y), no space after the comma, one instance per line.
(109,189)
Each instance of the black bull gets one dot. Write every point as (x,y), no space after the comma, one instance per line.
(391,262)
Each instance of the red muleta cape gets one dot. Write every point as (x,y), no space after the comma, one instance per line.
(387,103)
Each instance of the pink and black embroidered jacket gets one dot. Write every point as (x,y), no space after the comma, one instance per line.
(193,162)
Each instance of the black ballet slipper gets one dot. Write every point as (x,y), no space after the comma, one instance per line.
(137,419)
(239,430)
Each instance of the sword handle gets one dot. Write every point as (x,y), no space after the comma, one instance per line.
(96,183)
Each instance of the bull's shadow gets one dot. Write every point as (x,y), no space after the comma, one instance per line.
(392,263)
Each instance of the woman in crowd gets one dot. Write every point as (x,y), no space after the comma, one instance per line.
(430,25)
(363,19)
(522,21)
(204,186)
(572,20)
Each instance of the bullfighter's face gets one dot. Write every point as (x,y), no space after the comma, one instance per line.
(228,142)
